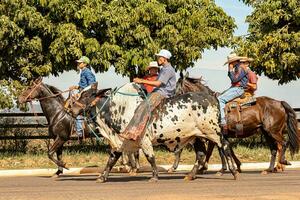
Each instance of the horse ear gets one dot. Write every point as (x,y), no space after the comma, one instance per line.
(102,92)
(38,80)
(187,75)
(94,85)
(181,75)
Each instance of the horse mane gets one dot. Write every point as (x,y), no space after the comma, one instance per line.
(200,82)
(55,90)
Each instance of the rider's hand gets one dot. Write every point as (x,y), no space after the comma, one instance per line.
(73,87)
(138,80)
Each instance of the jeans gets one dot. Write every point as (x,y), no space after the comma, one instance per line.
(79,125)
(227,96)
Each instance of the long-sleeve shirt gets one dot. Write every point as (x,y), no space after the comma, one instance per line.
(238,77)
(86,78)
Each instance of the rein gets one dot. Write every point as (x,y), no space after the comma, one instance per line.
(28,99)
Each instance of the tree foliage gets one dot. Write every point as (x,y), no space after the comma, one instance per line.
(42,37)
(274,38)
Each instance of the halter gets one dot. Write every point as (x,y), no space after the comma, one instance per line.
(42,98)
(39,99)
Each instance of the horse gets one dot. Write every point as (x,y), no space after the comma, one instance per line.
(176,122)
(60,122)
(271,117)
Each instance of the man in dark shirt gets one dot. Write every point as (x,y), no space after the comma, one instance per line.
(239,81)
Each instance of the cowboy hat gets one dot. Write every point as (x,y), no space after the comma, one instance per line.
(246,59)
(152,64)
(233,57)
(83,59)
(164,53)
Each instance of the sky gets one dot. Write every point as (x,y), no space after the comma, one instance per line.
(210,67)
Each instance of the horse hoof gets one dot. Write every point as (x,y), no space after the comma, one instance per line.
(265,172)
(171,170)
(219,173)
(55,176)
(201,171)
(189,178)
(236,175)
(153,180)
(132,173)
(100,180)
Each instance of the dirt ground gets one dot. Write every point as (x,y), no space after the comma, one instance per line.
(251,185)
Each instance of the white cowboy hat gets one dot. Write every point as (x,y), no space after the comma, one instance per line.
(164,53)
(233,57)
(152,64)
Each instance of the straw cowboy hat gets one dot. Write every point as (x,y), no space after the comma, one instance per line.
(246,59)
(233,57)
(152,64)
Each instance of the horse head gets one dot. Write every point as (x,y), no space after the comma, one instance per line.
(186,84)
(32,92)
(86,99)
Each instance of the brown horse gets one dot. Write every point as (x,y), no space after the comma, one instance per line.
(268,116)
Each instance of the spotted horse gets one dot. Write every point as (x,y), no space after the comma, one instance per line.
(175,123)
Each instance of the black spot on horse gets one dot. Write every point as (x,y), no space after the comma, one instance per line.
(161,126)
(194,107)
(175,118)
(154,126)
(161,135)
(171,142)
(178,130)
(177,139)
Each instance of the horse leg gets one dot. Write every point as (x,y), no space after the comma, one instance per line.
(137,159)
(281,157)
(176,162)
(227,152)
(236,160)
(223,160)
(59,158)
(132,161)
(58,143)
(113,158)
(210,148)
(200,151)
(273,149)
(147,148)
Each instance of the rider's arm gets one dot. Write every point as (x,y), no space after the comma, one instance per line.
(143,81)
(252,86)
(233,75)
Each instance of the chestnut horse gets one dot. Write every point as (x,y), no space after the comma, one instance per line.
(268,116)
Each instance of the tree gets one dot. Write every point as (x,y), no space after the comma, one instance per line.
(274,38)
(42,37)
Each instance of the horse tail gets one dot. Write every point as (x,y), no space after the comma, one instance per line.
(292,128)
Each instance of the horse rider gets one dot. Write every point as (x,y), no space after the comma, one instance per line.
(165,86)
(239,80)
(152,74)
(252,77)
(86,79)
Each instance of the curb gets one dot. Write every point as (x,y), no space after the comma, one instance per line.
(161,168)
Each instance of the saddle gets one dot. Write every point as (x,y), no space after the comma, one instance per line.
(234,109)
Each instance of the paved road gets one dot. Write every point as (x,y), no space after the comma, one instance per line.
(251,185)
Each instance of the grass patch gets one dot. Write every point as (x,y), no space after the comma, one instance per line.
(81,157)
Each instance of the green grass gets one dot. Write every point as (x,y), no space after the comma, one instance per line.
(82,157)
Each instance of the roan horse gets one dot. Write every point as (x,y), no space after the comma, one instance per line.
(60,122)
(271,117)
(176,122)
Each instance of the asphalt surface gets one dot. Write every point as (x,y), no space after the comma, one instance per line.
(251,185)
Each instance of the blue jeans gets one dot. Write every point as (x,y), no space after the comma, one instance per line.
(227,96)
(79,125)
